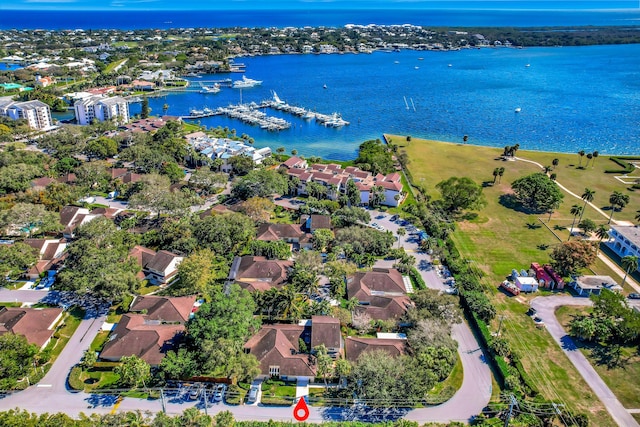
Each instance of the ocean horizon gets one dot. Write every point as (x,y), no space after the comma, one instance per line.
(464,14)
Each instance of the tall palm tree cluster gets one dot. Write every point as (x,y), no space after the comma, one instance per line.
(591,157)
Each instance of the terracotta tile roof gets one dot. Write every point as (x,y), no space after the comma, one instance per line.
(325,330)
(318,167)
(106,212)
(67,214)
(164,309)
(387,185)
(383,292)
(259,273)
(354,347)
(118,172)
(295,172)
(277,345)
(134,335)
(38,244)
(33,323)
(68,178)
(320,221)
(393,177)
(292,162)
(272,232)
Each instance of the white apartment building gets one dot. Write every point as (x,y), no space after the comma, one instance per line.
(101,108)
(36,113)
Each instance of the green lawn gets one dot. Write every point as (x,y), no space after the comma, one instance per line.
(114,64)
(278,392)
(501,239)
(122,43)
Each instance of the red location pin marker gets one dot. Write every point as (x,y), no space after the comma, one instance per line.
(301,411)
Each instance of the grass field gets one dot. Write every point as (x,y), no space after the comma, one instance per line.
(501,239)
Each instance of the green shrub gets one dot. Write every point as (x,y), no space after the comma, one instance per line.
(75,378)
(621,161)
(417,279)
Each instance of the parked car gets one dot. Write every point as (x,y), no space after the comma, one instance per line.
(253,394)
(451,291)
(394,218)
(217,395)
(633,296)
(194,393)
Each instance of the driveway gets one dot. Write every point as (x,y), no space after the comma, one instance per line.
(546,307)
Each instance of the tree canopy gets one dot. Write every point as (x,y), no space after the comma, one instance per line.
(460,193)
(537,192)
(571,257)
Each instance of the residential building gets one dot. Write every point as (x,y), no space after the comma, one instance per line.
(71,217)
(335,179)
(355,346)
(224,149)
(277,348)
(36,113)
(257,273)
(137,335)
(625,240)
(159,267)
(325,330)
(50,255)
(290,233)
(101,108)
(164,309)
(37,325)
(382,293)
(44,81)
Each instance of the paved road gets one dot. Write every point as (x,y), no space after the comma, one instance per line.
(26,296)
(546,307)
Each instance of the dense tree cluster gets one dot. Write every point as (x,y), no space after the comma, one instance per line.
(374,156)
(537,192)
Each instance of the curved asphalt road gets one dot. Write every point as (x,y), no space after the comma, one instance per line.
(546,308)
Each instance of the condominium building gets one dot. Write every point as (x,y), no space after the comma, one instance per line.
(36,113)
(101,108)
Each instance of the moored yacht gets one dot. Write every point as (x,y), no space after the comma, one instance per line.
(246,83)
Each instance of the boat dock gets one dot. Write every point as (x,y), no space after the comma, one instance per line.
(329,120)
(247,113)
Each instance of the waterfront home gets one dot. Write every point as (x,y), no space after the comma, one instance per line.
(36,113)
(37,325)
(257,273)
(101,108)
(625,240)
(381,293)
(224,149)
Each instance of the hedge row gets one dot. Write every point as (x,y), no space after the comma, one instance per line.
(621,161)
(417,279)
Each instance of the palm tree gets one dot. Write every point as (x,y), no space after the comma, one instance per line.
(555,163)
(595,155)
(496,171)
(602,232)
(351,304)
(619,200)
(638,216)
(294,152)
(280,150)
(581,153)
(575,211)
(500,173)
(401,232)
(547,169)
(589,157)
(629,263)
(587,196)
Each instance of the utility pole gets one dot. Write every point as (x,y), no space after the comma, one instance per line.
(204,396)
(513,402)
(500,326)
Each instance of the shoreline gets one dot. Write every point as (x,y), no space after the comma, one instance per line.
(386,135)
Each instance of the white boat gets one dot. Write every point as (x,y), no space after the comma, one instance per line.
(210,89)
(195,112)
(277,99)
(309,115)
(518,109)
(528,65)
(246,83)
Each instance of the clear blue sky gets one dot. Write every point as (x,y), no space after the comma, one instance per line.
(305,4)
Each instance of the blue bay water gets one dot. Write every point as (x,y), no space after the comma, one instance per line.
(571,98)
